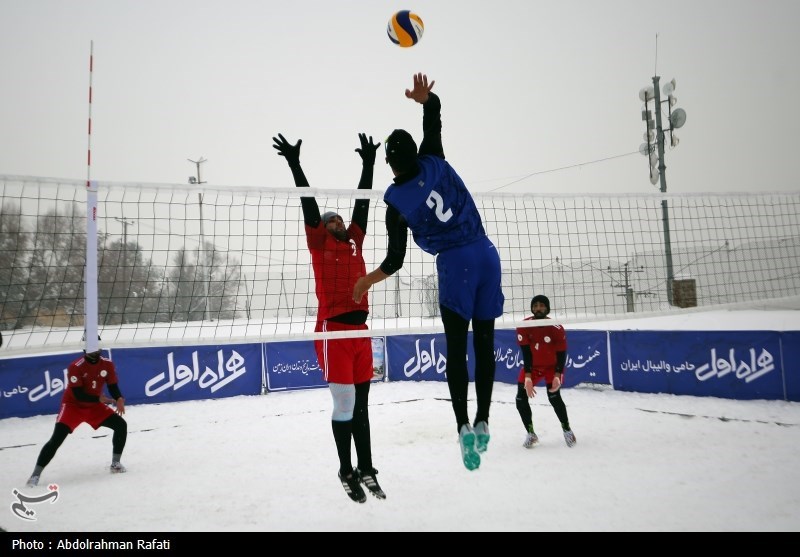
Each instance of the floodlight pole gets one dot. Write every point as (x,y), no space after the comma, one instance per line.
(206,269)
(663,179)
(126,274)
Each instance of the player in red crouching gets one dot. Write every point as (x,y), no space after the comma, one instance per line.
(83,402)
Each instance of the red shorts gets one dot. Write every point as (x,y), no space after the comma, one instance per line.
(344,360)
(537,374)
(94,414)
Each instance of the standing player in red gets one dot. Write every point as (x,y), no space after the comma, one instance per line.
(544,353)
(83,402)
(345,362)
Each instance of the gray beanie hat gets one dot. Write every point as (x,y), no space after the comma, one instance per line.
(328,216)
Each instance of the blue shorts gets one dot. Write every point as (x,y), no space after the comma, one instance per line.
(470,280)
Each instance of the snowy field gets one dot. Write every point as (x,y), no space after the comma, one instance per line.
(643,462)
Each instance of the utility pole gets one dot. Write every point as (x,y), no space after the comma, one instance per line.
(205,270)
(626,271)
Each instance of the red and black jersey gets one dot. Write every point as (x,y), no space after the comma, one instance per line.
(545,342)
(90,377)
(337,265)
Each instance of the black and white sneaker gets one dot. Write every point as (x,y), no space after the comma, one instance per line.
(367,477)
(352,487)
(117,468)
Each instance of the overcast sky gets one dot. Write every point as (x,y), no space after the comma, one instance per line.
(533,92)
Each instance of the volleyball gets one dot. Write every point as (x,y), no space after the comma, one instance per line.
(405,28)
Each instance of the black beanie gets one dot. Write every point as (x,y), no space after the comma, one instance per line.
(543,299)
(401,151)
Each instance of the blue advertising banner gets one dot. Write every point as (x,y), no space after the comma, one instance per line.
(742,365)
(178,373)
(294,365)
(790,344)
(33,386)
(416,357)
(587,357)
(424,357)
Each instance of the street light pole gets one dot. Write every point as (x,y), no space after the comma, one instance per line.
(126,275)
(201,253)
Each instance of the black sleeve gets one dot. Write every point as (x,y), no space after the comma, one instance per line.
(114,391)
(83,396)
(361,208)
(432,127)
(561,361)
(311,214)
(527,357)
(397,230)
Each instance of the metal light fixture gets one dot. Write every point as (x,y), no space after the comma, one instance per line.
(654,150)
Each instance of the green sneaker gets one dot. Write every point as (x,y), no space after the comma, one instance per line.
(466,438)
(482,436)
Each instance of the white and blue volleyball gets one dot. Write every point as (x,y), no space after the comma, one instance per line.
(405,28)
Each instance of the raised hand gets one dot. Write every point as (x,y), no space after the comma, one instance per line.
(285,149)
(421,88)
(367,149)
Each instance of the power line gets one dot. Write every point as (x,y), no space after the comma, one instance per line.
(565,168)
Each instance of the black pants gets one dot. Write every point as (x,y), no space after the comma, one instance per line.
(455,332)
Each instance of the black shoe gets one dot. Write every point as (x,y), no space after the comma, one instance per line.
(368,478)
(352,487)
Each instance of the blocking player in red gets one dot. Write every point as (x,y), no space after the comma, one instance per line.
(346,363)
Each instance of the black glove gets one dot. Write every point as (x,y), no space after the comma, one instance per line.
(367,149)
(290,152)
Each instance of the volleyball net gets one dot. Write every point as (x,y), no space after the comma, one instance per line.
(194,264)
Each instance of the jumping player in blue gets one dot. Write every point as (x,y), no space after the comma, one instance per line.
(430,198)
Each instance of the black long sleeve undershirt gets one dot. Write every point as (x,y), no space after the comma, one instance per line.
(396,225)
(114,391)
(311,214)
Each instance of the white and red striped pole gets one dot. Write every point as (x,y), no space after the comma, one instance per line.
(91,305)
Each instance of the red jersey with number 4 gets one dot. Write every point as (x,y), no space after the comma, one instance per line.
(545,342)
(337,266)
(91,377)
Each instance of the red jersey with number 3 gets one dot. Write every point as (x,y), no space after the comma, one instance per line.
(337,266)
(545,342)
(91,377)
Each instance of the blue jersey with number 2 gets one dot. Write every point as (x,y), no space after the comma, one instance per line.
(437,206)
